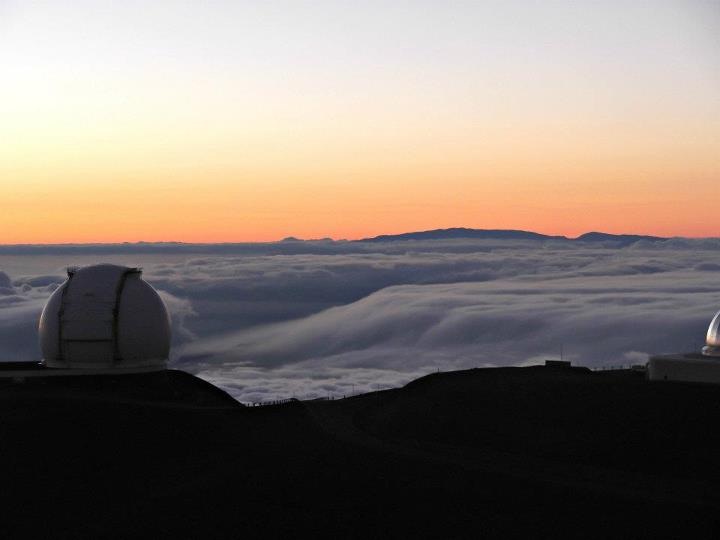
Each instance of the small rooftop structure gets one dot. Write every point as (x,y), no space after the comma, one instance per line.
(105,317)
(693,367)
(557,363)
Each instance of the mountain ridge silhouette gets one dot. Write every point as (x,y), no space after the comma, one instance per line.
(508,234)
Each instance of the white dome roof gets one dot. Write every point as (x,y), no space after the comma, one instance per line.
(105,316)
(713,337)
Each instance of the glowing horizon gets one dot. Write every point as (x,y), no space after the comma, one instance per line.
(236,122)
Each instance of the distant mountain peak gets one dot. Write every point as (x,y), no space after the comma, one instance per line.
(509,234)
(463,232)
(595,236)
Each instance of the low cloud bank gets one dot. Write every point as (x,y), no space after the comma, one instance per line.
(401,331)
(273,325)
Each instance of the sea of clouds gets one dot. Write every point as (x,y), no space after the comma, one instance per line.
(268,321)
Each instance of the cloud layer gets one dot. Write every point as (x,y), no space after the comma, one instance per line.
(349,316)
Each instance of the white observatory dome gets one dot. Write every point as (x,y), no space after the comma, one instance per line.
(713,337)
(105,317)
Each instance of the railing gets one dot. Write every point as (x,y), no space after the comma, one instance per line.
(619,367)
(331,397)
(268,403)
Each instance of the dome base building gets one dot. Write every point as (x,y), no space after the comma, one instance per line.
(703,367)
(692,367)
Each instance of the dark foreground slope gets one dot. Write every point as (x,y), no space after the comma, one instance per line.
(479,453)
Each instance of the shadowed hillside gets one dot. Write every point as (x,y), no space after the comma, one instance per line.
(478,453)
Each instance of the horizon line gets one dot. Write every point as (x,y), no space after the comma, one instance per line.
(292,238)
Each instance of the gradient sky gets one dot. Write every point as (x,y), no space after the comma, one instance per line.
(234,121)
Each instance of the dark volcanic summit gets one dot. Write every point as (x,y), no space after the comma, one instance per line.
(542,452)
(463,232)
(619,240)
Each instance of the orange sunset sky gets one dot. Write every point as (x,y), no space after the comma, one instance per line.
(233,121)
